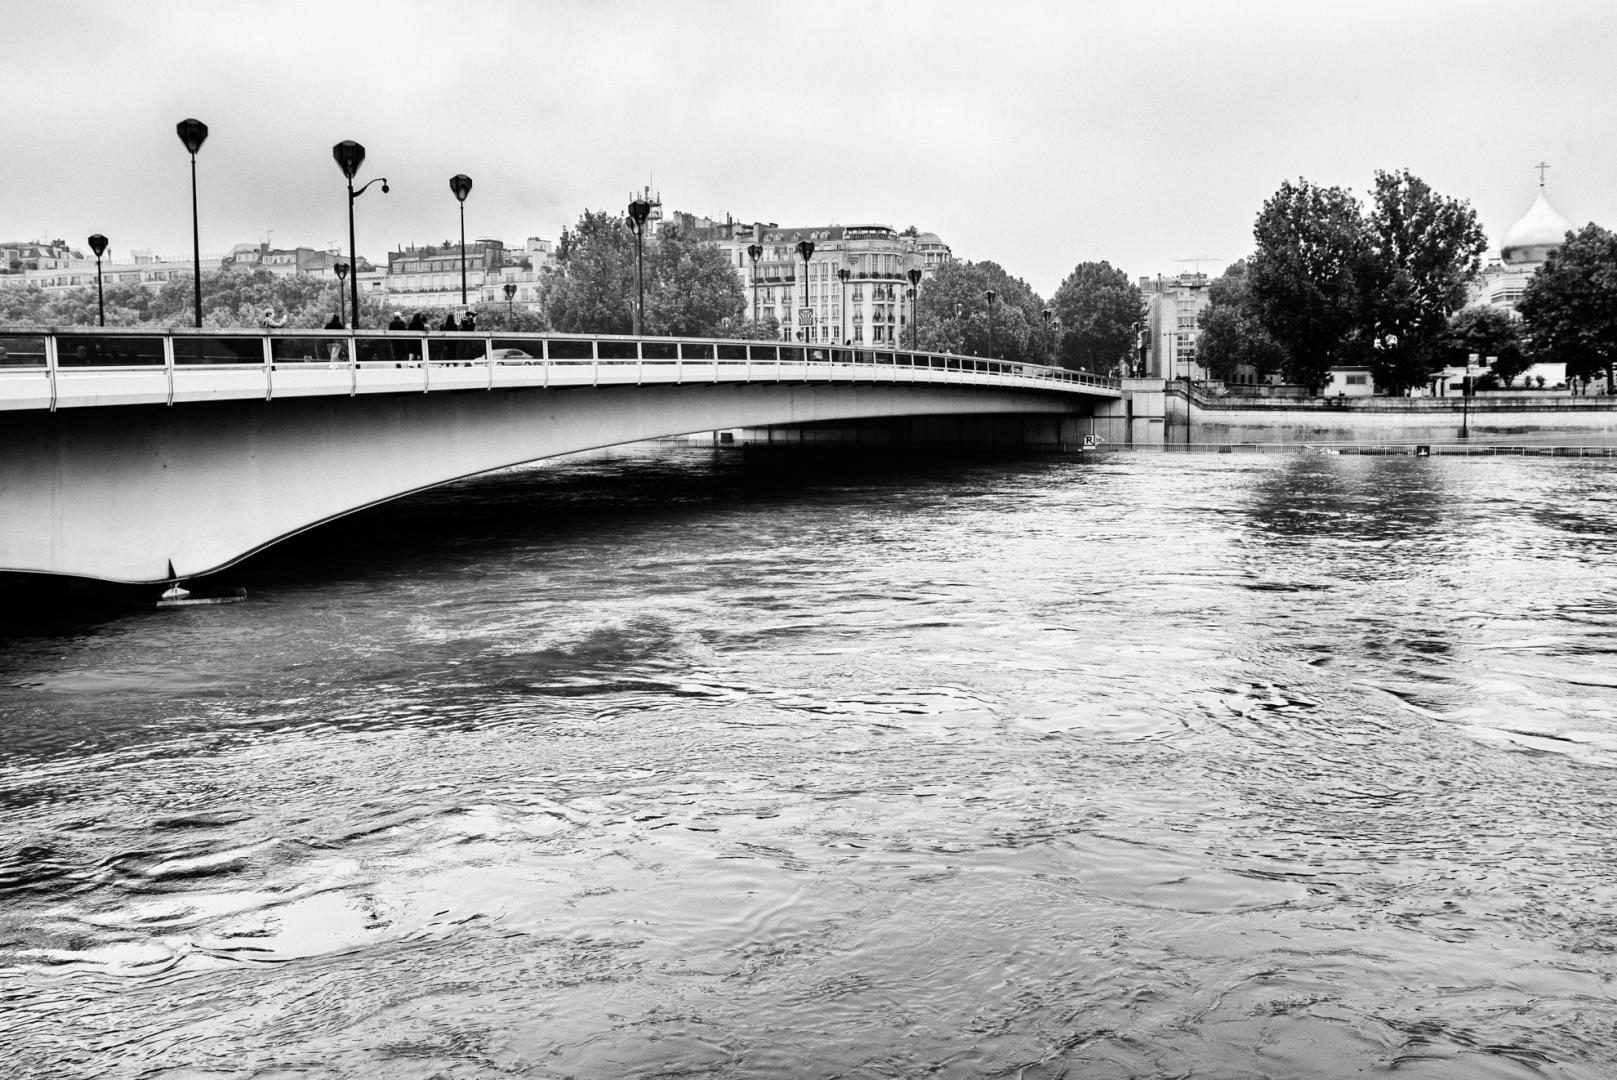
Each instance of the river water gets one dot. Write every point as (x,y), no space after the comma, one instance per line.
(668,762)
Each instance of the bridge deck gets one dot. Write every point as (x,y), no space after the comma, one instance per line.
(55,368)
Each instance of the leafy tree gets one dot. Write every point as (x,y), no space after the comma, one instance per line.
(1101,313)
(1233,340)
(1569,308)
(1423,249)
(691,289)
(954,316)
(1484,331)
(593,288)
(1306,277)
(689,286)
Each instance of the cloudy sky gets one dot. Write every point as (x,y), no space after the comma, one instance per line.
(1036,134)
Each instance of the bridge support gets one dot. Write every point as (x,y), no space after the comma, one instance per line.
(119,493)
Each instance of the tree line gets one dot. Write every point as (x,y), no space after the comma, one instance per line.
(1333,281)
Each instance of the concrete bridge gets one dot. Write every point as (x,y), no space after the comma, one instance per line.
(148,456)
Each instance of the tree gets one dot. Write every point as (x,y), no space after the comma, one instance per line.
(1569,308)
(691,289)
(593,288)
(954,315)
(1305,277)
(1423,249)
(1101,313)
(1484,331)
(1233,341)
(689,286)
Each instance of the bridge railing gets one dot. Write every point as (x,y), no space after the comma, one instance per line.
(50,367)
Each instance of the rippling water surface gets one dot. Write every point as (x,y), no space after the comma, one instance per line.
(660,763)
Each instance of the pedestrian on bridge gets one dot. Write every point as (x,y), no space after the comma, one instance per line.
(449,322)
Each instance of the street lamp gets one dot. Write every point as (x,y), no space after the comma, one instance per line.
(805,248)
(193,133)
(350,156)
(510,294)
(461,185)
(639,211)
(754,251)
(1465,396)
(98,244)
(1047,314)
(843,274)
(341,270)
(915,310)
(990,294)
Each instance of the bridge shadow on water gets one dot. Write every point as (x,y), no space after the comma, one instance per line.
(555,502)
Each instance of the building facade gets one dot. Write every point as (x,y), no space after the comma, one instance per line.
(1172,325)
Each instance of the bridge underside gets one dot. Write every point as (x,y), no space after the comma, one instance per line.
(122,493)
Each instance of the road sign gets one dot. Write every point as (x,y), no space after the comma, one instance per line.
(805,316)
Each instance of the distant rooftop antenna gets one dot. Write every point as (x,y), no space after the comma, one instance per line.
(1198,260)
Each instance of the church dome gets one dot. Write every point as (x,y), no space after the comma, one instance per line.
(1540,231)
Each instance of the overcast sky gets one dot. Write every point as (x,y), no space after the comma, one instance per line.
(1035,134)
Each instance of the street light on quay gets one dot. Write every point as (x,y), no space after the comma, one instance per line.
(915,308)
(754,252)
(990,294)
(1047,315)
(805,248)
(98,244)
(843,274)
(461,185)
(193,133)
(349,156)
(510,294)
(639,211)
(341,270)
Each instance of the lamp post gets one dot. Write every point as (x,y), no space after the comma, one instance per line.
(1048,315)
(342,279)
(843,274)
(991,350)
(193,133)
(350,156)
(960,326)
(1465,396)
(753,252)
(461,185)
(914,275)
(639,211)
(805,248)
(98,244)
(510,294)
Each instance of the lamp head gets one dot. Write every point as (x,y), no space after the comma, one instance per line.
(342,271)
(349,156)
(914,275)
(990,294)
(510,289)
(844,273)
(460,184)
(755,250)
(1048,315)
(805,248)
(384,187)
(639,211)
(193,133)
(98,244)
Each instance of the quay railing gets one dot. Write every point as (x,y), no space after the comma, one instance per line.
(54,367)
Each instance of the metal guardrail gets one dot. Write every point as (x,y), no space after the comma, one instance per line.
(259,361)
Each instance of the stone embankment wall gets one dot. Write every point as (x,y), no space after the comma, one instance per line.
(1154,416)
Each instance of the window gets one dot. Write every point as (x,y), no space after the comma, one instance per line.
(1358,380)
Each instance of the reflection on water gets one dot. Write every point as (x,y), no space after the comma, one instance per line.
(657,763)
